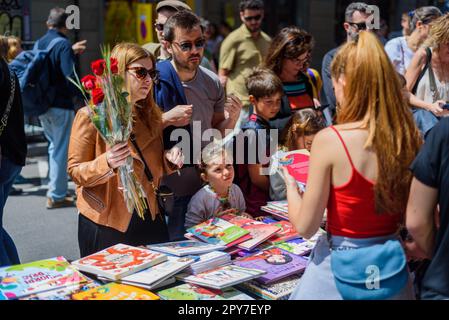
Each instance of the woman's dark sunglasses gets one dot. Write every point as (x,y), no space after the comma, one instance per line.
(187,46)
(141,73)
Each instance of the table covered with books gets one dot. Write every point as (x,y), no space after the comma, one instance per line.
(226,258)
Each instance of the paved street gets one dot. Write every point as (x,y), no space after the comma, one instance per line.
(40,233)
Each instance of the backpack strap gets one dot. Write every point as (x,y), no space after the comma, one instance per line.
(50,45)
(423,71)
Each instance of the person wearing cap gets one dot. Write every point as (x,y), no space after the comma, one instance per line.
(57,121)
(164,9)
(244,49)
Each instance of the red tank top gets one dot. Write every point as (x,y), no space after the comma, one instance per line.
(351,208)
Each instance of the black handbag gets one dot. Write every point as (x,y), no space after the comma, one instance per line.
(164,195)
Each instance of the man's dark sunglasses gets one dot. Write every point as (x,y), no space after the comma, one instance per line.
(141,73)
(187,46)
(159,26)
(256,18)
(360,26)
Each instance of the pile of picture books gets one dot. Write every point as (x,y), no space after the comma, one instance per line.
(230,257)
(278,209)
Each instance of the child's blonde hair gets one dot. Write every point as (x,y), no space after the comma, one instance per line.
(209,153)
(304,122)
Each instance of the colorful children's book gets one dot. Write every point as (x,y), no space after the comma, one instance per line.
(154,276)
(222,277)
(119,261)
(115,291)
(62,293)
(297,164)
(188,291)
(280,290)
(35,277)
(219,231)
(299,246)
(277,263)
(259,231)
(286,232)
(186,247)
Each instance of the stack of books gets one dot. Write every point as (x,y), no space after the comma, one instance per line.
(115,291)
(280,290)
(119,261)
(278,209)
(259,231)
(209,261)
(186,247)
(222,277)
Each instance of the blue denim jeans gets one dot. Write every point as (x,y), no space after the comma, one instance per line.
(57,124)
(425,120)
(176,219)
(8,172)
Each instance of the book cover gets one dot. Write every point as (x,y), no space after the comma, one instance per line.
(62,293)
(299,247)
(219,231)
(222,277)
(30,278)
(277,263)
(259,231)
(153,276)
(189,291)
(287,232)
(279,290)
(115,291)
(119,261)
(297,164)
(276,213)
(186,247)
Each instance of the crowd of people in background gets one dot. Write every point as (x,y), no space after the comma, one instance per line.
(374,120)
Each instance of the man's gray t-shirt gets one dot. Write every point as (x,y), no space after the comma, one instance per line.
(207,96)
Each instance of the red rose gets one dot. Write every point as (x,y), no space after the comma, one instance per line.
(98,67)
(89,82)
(114,65)
(97,96)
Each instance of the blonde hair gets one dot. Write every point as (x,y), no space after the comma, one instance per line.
(304,122)
(439,32)
(15,47)
(373,95)
(126,54)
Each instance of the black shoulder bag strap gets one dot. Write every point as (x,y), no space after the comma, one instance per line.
(423,71)
(147,170)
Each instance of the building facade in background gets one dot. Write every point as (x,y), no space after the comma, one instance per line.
(112,21)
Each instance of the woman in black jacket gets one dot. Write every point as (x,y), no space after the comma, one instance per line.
(13,146)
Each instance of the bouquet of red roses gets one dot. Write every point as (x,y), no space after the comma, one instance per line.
(111,113)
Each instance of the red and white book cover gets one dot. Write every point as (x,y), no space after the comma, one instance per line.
(119,261)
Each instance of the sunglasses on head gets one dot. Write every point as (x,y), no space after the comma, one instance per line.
(159,26)
(187,46)
(256,18)
(141,73)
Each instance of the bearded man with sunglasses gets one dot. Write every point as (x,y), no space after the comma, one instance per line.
(243,50)
(189,95)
